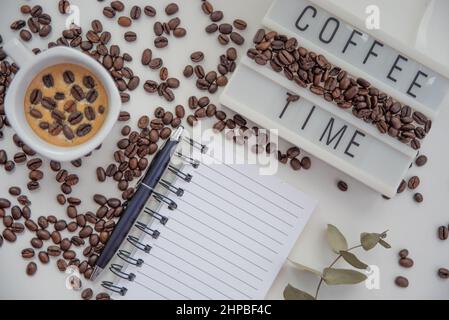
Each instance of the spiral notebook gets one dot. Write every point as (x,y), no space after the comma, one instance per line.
(220,231)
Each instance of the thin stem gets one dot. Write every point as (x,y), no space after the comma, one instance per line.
(331,265)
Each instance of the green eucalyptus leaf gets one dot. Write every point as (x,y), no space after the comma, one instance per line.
(384,244)
(305,268)
(291,293)
(369,240)
(353,260)
(333,276)
(336,239)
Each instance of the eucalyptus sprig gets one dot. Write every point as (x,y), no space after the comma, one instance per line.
(336,276)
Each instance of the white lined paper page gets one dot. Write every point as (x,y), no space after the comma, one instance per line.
(228,238)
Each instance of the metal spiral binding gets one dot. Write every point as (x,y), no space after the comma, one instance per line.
(170,187)
(126,256)
(151,232)
(161,198)
(112,287)
(196,144)
(139,245)
(194,163)
(156,215)
(180,174)
(117,270)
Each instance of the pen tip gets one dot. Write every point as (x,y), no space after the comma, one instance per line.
(96,273)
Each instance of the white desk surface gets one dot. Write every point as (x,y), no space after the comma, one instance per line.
(411,226)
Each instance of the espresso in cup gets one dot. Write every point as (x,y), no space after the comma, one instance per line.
(66,105)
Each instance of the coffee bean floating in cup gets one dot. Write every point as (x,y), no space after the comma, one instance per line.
(367,102)
(66,105)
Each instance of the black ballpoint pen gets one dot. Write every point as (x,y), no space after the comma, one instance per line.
(138,201)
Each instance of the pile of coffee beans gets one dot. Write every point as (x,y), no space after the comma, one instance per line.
(414,182)
(95,43)
(310,70)
(212,80)
(38,23)
(7,72)
(172,26)
(406,262)
(227,32)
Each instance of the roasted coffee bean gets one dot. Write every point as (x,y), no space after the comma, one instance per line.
(173,23)
(60,225)
(406,262)
(343,186)
(43,257)
(31,269)
(17,25)
(100,199)
(403,253)
(306,163)
(77,92)
(443,232)
(135,12)
(143,122)
(69,255)
(237,38)
(192,120)
(14,191)
(3,157)
(25,9)
(443,273)
(147,55)
(31,225)
(225,28)
(223,39)
(173,83)
(216,16)
(114,202)
(48,80)
(155,63)
(103,296)
(9,166)
(150,86)
(293,152)
(149,11)
(421,160)
(48,103)
(72,226)
(160,42)
(56,237)
(62,265)
(85,232)
(163,74)
(81,220)
(28,253)
(402,186)
(101,174)
(197,56)
(165,133)
(124,21)
(83,129)
(239,24)
(87,294)
(124,116)
(43,234)
(171,9)
(42,222)
(179,32)
(4,203)
(117,5)
(401,282)
(36,175)
(35,96)
(65,244)
(133,83)
(413,183)
(36,243)
(130,36)
(418,197)
(213,27)
(53,251)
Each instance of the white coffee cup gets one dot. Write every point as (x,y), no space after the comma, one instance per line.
(30,65)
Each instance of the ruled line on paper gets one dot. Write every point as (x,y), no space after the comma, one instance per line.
(215,254)
(163,284)
(212,264)
(253,180)
(241,209)
(204,271)
(149,289)
(227,237)
(219,244)
(243,186)
(248,201)
(188,274)
(177,280)
(242,233)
